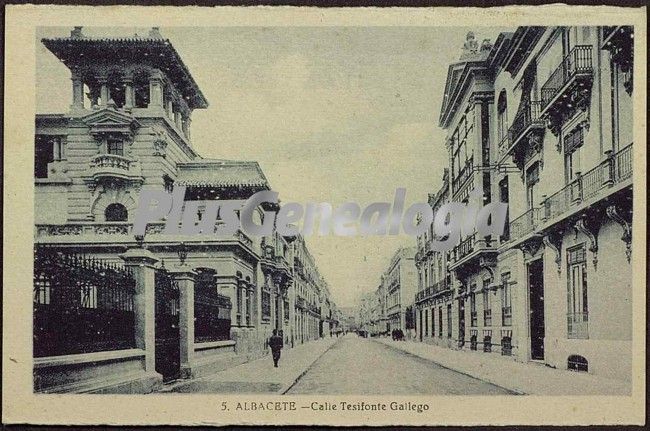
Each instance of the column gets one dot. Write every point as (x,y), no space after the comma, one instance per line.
(142,262)
(77,92)
(250,292)
(242,286)
(170,109)
(103,92)
(184,276)
(129,100)
(177,119)
(156,90)
(227,286)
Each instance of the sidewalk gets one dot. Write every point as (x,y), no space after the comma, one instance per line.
(259,376)
(524,378)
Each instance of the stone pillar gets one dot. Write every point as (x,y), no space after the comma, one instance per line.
(227,286)
(242,286)
(156,90)
(129,99)
(177,119)
(184,275)
(170,110)
(142,263)
(77,92)
(250,291)
(103,92)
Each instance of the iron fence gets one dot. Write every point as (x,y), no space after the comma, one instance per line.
(81,304)
(211,314)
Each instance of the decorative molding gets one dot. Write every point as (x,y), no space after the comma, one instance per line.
(590,228)
(531,247)
(614,214)
(554,242)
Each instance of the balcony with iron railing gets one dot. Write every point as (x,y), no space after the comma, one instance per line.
(572,77)
(431,291)
(472,249)
(613,172)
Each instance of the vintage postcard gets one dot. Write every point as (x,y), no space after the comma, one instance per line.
(294,215)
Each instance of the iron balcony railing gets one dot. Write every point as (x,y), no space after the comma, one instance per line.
(468,245)
(431,290)
(505,143)
(615,169)
(528,116)
(577,62)
(578,325)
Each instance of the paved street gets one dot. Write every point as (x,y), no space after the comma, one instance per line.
(358,366)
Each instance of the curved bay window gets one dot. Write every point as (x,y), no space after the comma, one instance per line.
(116,212)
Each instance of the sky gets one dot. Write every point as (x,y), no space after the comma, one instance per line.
(332,114)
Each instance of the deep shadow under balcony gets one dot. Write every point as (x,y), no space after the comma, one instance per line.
(473,252)
(526,131)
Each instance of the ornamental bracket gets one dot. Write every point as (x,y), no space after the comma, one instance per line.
(554,242)
(614,214)
(591,231)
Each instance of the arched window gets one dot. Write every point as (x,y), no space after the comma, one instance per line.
(116,212)
(502,115)
(577,363)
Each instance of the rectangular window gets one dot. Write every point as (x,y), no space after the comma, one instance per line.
(440,322)
(449,321)
(577,304)
(266,304)
(115,146)
(433,322)
(506,300)
(472,306)
(44,153)
(572,143)
(426,323)
(532,179)
(487,308)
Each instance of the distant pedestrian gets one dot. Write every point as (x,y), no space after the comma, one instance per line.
(276,344)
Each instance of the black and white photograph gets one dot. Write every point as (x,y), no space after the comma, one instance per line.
(382,215)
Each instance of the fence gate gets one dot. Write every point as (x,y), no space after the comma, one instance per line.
(167,333)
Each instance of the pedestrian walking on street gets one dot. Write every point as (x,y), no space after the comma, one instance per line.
(276,344)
